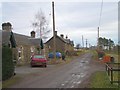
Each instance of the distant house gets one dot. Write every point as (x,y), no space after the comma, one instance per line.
(26,45)
(62,44)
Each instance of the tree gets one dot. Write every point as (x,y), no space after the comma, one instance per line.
(7,63)
(111,44)
(106,43)
(41,44)
(12,40)
(40,24)
(78,46)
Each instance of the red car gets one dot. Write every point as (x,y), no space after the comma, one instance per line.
(38,60)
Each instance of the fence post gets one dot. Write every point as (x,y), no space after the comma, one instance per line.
(111,76)
(108,72)
(106,67)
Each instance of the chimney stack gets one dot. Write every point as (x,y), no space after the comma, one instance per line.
(33,34)
(66,37)
(7,26)
(55,33)
(62,36)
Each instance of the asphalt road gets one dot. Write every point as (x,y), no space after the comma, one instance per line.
(71,75)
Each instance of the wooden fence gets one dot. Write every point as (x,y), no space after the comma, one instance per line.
(111,68)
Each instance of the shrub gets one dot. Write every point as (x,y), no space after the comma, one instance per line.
(7,63)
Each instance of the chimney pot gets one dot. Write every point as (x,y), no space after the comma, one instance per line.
(33,34)
(66,37)
(7,26)
(56,33)
(62,36)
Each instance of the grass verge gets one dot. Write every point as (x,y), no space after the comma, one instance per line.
(101,80)
(95,55)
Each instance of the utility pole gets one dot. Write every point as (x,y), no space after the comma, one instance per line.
(86,43)
(98,39)
(40,39)
(82,41)
(54,37)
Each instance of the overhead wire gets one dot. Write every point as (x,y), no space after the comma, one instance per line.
(99,24)
(100,13)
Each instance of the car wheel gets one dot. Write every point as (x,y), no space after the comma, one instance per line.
(45,65)
(31,65)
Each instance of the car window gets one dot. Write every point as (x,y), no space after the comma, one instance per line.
(37,56)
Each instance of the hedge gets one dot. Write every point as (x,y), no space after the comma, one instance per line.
(7,63)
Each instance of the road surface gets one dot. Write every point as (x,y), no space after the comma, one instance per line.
(71,75)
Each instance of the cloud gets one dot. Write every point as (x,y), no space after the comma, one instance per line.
(59,0)
(110,30)
(78,21)
(21,17)
(83,16)
(0,23)
(72,19)
(71,13)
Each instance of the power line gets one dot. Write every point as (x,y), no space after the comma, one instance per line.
(100,13)
(99,23)
(86,43)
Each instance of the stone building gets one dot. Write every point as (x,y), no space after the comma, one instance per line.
(63,45)
(26,45)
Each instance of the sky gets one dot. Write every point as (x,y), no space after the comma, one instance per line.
(74,18)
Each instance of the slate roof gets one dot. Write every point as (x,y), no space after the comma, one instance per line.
(34,41)
(56,37)
(64,40)
(20,39)
(27,40)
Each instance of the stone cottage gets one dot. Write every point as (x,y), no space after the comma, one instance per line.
(26,45)
(62,44)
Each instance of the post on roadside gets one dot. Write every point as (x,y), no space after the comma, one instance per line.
(54,36)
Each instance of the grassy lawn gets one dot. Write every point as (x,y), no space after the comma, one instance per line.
(101,80)
(95,55)
(115,74)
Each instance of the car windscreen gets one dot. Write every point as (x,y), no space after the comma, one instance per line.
(38,56)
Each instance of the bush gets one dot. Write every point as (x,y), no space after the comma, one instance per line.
(71,53)
(7,63)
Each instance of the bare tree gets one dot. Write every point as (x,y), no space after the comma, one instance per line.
(40,25)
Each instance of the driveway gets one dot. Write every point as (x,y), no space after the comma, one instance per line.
(72,75)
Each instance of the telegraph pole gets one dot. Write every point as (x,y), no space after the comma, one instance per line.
(86,43)
(82,41)
(54,37)
(98,39)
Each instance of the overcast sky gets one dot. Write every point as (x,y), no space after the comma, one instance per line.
(74,19)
